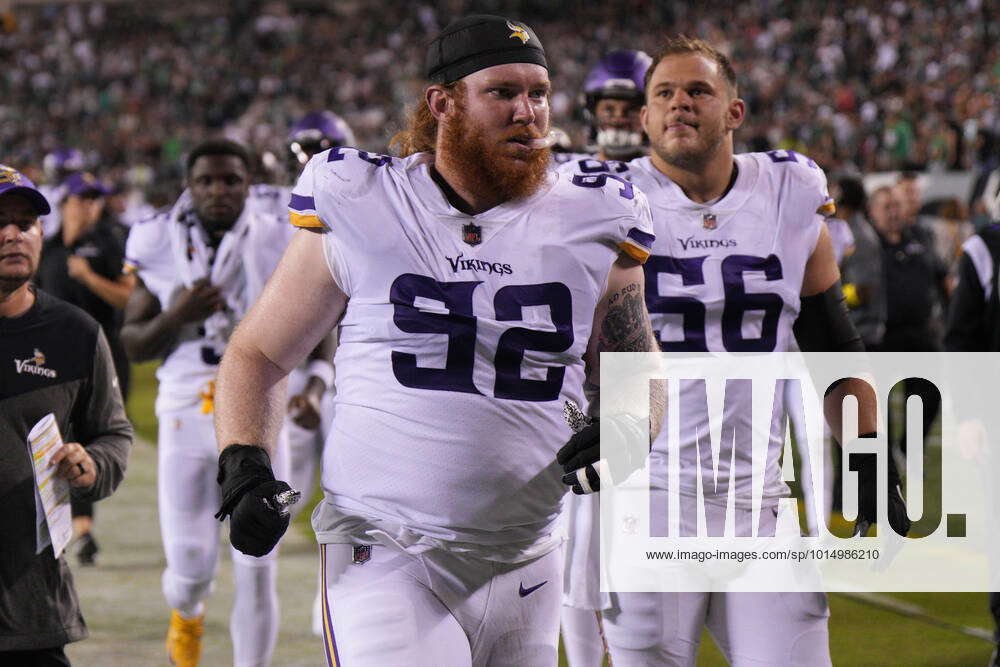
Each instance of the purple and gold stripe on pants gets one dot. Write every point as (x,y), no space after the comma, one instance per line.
(329,643)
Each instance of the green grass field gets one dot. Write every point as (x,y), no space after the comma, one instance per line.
(860,634)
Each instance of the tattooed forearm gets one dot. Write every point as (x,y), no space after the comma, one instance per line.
(626,326)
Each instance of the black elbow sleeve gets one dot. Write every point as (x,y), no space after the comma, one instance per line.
(823,324)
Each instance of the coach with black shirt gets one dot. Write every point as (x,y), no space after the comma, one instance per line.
(82,265)
(53,358)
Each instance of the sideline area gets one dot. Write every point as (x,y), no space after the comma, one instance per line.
(121,599)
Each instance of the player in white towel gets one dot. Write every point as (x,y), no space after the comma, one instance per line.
(199,266)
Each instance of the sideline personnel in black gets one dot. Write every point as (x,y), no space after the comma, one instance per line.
(53,358)
(915,285)
(82,265)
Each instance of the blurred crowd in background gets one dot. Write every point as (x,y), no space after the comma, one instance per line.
(863,85)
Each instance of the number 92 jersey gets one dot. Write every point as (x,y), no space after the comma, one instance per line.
(726,276)
(462,337)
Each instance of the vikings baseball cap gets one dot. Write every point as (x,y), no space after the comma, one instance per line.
(83,183)
(11,180)
(476,42)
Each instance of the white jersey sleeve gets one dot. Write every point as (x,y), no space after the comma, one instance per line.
(302,200)
(148,255)
(186,373)
(268,238)
(270,200)
(633,232)
(330,181)
(801,185)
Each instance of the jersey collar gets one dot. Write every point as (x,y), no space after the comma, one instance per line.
(732,201)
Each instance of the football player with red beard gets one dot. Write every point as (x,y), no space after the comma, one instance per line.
(473,289)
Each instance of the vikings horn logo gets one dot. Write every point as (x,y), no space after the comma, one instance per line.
(518,32)
(8,175)
(39,357)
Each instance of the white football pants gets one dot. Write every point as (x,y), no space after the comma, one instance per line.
(188,500)
(439,608)
(751,629)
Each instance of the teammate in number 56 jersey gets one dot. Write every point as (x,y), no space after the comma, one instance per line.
(742,262)
(473,288)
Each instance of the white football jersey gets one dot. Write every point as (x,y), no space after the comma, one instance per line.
(841,237)
(727,277)
(462,338)
(270,199)
(186,372)
(559,159)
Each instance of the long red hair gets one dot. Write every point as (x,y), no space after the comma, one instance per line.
(420,134)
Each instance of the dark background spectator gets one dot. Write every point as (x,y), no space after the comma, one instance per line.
(861,271)
(913,278)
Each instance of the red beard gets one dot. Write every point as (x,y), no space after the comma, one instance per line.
(493,168)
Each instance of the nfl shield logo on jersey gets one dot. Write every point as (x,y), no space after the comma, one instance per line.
(472,234)
(362,553)
(708,221)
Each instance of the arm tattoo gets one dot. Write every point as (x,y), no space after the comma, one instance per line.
(626,326)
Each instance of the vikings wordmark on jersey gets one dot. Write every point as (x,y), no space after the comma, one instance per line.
(453,336)
(726,276)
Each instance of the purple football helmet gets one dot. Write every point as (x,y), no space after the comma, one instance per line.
(61,162)
(315,132)
(620,75)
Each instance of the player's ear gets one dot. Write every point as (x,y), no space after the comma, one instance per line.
(736,113)
(643,114)
(438,101)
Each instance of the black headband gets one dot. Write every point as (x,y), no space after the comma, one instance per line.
(479,41)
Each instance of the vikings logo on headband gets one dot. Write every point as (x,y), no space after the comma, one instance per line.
(518,32)
(479,41)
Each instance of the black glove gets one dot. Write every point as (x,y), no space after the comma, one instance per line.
(578,459)
(581,460)
(256,501)
(866,465)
